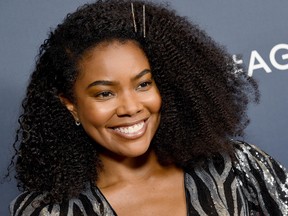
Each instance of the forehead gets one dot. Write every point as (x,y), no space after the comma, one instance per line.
(110,46)
(111,57)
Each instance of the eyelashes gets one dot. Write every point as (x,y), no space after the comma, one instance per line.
(104,94)
(107,94)
(144,85)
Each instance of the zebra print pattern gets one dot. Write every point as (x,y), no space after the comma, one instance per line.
(253,184)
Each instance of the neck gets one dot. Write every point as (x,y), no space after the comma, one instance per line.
(119,169)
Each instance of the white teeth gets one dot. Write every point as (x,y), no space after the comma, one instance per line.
(131,129)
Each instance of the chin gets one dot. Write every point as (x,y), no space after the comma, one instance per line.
(133,153)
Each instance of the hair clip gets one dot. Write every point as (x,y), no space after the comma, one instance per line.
(143,19)
(144,22)
(133,16)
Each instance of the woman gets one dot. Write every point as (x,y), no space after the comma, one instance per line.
(131,110)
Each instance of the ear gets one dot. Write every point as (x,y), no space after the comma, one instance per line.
(70,106)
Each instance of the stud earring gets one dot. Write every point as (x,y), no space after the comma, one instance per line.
(77,123)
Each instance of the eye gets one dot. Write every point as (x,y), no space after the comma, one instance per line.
(144,85)
(104,95)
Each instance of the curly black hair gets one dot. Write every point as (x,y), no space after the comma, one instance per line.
(204,99)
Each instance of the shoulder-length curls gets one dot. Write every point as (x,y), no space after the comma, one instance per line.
(204,101)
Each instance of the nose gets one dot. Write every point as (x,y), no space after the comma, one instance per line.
(128,105)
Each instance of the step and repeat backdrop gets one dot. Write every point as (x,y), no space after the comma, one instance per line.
(254,32)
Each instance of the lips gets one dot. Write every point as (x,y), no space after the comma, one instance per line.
(132,131)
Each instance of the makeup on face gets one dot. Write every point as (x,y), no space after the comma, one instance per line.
(117,100)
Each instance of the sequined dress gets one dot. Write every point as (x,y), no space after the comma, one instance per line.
(252,184)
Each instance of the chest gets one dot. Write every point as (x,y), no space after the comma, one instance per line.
(157,200)
(203,194)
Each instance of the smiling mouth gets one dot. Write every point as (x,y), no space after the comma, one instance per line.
(133,129)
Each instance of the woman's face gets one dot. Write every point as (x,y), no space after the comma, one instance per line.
(117,100)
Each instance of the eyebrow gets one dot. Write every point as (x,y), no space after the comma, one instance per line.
(142,73)
(111,83)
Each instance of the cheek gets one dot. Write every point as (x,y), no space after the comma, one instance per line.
(95,114)
(157,105)
(155,102)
